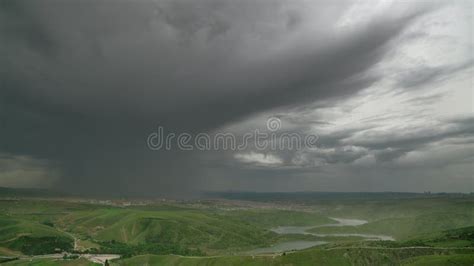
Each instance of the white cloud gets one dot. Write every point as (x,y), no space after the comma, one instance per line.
(259,159)
(438,154)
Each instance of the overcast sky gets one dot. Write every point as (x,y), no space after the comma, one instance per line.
(387,87)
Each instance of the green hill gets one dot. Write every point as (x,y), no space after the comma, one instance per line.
(31,237)
(316,256)
(207,230)
(224,232)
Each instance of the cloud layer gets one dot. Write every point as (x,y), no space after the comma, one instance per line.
(84,83)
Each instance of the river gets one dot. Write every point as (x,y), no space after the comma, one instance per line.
(303,230)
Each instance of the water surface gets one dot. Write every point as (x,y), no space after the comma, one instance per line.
(303,230)
(340,222)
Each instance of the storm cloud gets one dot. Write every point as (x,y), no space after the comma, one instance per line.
(84,83)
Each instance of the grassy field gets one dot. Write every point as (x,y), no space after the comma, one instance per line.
(429,230)
(52,262)
(171,228)
(314,256)
(357,256)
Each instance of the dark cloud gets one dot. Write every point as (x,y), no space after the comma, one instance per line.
(410,138)
(425,75)
(350,144)
(153,60)
(83,83)
(428,99)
